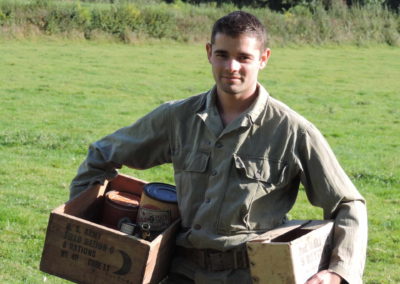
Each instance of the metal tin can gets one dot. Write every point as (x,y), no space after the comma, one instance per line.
(158,206)
(128,228)
(120,205)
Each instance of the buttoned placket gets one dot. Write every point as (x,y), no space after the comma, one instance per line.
(218,161)
(214,126)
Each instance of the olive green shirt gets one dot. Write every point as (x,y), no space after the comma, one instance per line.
(237,181)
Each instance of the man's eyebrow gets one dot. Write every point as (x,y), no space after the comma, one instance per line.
(246,54)
(221,51)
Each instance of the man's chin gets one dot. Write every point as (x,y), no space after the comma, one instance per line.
(231,89)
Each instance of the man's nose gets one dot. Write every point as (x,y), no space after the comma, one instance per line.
(233,65)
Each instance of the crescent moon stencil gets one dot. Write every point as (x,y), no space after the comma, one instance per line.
(126,263)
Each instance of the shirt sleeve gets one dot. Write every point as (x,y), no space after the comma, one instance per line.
(327,186)
(142,145)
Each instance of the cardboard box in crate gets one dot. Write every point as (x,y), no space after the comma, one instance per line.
(79,249)
(291,253)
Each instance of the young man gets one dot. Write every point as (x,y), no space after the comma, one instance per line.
(238,157)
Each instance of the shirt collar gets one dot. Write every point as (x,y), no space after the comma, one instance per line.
(255,110)
(252,113)
(208,112)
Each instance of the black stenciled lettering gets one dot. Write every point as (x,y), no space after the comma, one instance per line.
(98,265)
(94,263)
(106,267)
(95,244)
(92,233)
(72,237)
(82,250)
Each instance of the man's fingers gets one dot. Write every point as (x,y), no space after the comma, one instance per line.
(316,279)
(324,277)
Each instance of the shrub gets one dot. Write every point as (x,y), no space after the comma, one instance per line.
(159,22)
(2,17)
(116,19)
(61,19)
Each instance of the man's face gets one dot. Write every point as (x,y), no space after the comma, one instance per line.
(235,63)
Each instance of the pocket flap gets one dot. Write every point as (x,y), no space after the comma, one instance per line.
(261,168)
(196,162)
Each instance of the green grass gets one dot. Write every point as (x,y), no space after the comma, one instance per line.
(58,96)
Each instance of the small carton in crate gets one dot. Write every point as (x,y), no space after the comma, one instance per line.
(80,249)
(291,253)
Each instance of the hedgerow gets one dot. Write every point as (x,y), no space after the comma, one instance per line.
(137,20)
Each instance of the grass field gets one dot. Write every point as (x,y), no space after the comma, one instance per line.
(58,96)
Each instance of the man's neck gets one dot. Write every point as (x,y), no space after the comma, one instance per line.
(231,106)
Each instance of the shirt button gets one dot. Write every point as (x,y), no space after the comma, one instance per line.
(219,145)
(214,172)
(197,227)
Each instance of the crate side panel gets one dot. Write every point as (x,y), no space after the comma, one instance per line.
(87,253)
(311,252)
(160,254)
(270,263)
(83,205)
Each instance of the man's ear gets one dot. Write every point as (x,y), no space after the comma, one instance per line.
(264,58)
(209,51)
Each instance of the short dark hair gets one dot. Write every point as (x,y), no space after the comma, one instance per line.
(239,22)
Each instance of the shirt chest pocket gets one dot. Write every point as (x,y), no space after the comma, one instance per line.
(270,173)
(191,180)
(196,162)
(190,169)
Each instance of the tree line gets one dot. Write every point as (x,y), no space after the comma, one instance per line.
(282,5)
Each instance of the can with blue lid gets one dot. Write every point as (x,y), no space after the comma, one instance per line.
(158,206)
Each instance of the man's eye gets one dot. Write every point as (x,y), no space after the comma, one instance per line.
(244,58)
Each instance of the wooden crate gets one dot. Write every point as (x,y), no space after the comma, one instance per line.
(79,249)
(292,253)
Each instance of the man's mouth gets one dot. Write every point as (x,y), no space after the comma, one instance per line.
(232,78)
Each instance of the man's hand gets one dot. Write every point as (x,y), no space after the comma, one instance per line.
(325,277)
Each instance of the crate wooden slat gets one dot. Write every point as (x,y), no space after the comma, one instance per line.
(80,249)
(292,253)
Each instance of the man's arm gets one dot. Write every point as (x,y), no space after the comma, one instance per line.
(327,186)
(142,145)
(350,240)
